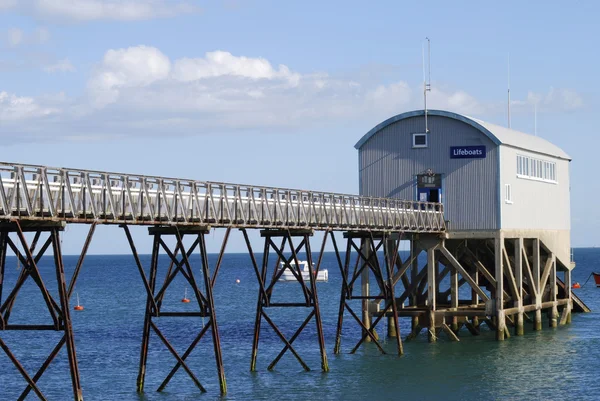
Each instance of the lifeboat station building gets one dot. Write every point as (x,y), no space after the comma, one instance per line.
(506,201)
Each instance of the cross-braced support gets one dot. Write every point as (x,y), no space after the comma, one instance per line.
(287,261)
(368,263)
(58,311)
(179,264)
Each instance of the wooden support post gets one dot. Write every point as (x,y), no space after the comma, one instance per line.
(431,292)
(364,286)
(537,321)
(414,273)
(553,294)
(475,298)
(454,297)
(499,307)
(518,244)
(568,295)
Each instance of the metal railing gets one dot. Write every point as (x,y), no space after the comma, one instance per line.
(84,196)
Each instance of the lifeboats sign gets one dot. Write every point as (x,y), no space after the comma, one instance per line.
(467,152)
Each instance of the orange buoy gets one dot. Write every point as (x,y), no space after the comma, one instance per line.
(576,285)
(185,299)
(78,306)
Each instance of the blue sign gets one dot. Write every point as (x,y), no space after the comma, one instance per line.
(467,152)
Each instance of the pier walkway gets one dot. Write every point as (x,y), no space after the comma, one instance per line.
(30,192)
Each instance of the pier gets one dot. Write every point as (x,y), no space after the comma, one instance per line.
(511,280)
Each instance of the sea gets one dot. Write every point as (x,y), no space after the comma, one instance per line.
(560,363)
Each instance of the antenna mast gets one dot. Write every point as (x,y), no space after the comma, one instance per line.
(508,90)
(426,79)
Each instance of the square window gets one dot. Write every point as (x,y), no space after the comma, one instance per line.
(419,140)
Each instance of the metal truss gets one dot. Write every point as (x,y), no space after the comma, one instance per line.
(85,196)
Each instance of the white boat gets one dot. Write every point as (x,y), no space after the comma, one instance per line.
(287,274)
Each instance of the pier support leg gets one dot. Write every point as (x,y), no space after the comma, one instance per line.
(414,273)
(391,327)
(287,261)
(368,263)
(537,319)
(454,298)
(431,293)
(364,292)
(569,296)
(59,312)
(518,245)
(500,320)
(553,294)
(179,264)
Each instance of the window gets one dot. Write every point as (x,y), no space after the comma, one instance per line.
(508,194)
(419,140)
(536,169)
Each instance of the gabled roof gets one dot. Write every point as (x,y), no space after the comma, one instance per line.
(497,134)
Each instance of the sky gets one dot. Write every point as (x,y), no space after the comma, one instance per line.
(278,92)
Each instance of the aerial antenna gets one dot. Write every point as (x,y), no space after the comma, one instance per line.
(508,90)
(426,79)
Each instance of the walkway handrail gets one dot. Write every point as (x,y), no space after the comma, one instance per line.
(31,192)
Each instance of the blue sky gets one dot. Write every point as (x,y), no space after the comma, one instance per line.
(234,90)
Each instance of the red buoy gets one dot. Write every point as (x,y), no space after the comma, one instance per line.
(78,307)
(576,285)
(185,299)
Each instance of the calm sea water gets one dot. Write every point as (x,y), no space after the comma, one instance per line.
(558,363)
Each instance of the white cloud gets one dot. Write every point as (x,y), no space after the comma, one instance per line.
(458,101)
(123,68)
(60,66)
(221,63)
(122,10)
(141,91)
(16,108)
(15,37)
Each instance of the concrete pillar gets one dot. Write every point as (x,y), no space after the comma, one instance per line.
(519,329)
(499,275)
(553,294)
(414,272)
(454,297)
(568,294)
(537,321)
(431,291)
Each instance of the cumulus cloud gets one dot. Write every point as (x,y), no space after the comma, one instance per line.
(142,91)
(458,101)
(94,10)
(15,108)
(60,66)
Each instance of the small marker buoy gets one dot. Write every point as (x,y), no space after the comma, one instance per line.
(78,306)
(185,299)
(576,285)
(237,281)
